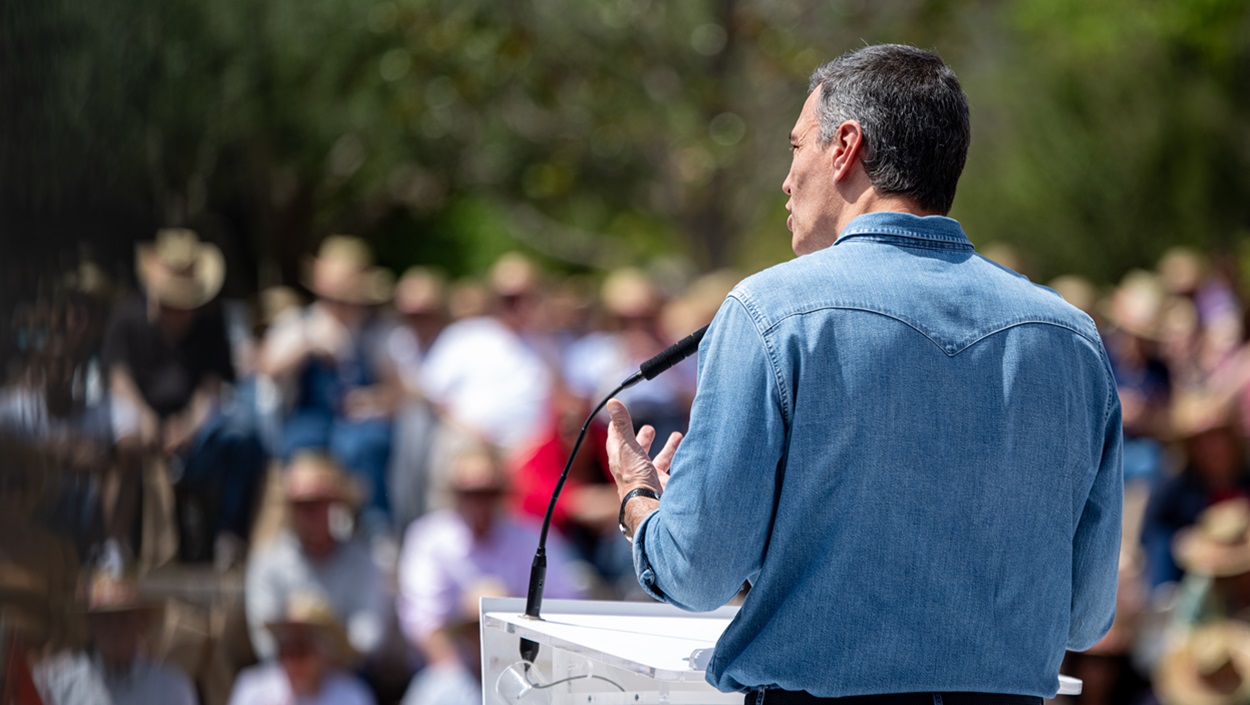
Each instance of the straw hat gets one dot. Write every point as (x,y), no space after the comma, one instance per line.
(1076,290)
(1136,305)
(1196,411)
(179,270)
(513,275)
(314,477)
(1210,667)
(1219,543)
(343,270)
(421,290)
(311,613)
(1181,270)
(629,293)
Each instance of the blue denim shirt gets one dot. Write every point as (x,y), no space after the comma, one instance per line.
(913,456)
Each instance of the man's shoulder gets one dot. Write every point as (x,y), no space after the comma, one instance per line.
(794,286)
(904,286)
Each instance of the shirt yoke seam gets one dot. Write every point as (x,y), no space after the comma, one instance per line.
(901,319)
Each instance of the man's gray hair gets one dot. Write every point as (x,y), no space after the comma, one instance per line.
(914,117)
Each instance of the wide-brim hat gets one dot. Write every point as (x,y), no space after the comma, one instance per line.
(314,477)
(1197,411)
(343,270)
(1191,673)
(1076,290)
(421,290)
(514,274)
(629,293)
(312,612)
(1218,545)
(179,270)
(1136,306)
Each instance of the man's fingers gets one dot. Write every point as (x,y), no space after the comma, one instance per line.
(646,435)
(665,457)
(622,425)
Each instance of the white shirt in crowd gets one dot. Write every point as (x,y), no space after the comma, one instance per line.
(490,379)
(349,580)
(267,684)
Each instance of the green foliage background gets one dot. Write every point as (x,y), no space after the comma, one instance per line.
(596,133)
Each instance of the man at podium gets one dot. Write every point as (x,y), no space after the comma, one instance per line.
(910,453)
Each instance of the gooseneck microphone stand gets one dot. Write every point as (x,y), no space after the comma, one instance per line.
(650,369)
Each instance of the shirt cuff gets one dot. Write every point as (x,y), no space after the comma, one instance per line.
(642,565)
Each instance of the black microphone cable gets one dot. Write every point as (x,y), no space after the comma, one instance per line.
(650,369)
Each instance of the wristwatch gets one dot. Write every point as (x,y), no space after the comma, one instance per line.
(636,492)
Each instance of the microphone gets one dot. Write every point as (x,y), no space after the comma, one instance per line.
(671,355)
(648,370)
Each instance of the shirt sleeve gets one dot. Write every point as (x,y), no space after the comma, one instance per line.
(711,531)
(1096,542)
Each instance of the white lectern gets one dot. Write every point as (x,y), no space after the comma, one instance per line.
(608,653)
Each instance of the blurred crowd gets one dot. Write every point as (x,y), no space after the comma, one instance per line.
(1176,337)
(367,457)
(363,457)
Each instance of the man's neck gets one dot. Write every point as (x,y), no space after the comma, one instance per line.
(870,201)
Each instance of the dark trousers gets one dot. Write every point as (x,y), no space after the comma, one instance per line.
(791,697)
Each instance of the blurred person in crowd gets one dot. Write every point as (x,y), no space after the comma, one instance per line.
(421,302)
(42,630)
(490,376)
(599,361)
(332,356)
(319,556)
(1214,470)
(167,357)
(1186,273)
(448,551)
(121,623)
(568,312)
(42,404)
(458,681)
(274,304)
(1214,553)
(1143,380)
(312,663)
(586,515)
(1211,666)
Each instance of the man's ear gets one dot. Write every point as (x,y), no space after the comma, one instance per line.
(845,148)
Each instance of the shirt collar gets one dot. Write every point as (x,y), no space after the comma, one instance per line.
(935,229)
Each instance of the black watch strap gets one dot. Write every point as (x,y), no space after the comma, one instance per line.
(636,492)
